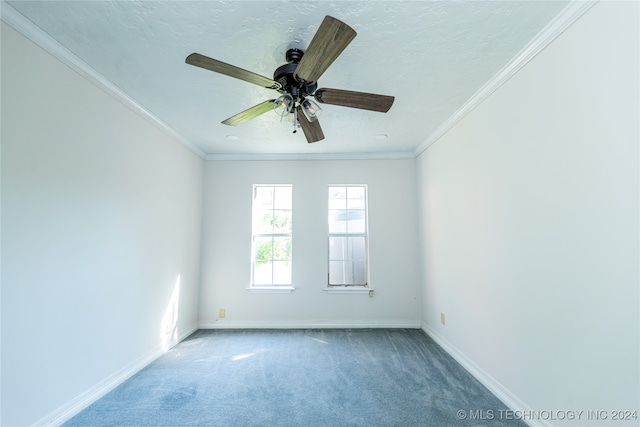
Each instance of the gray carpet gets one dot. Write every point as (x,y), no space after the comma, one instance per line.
(318,377)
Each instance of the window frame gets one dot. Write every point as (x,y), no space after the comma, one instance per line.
(272,287)
(348,287)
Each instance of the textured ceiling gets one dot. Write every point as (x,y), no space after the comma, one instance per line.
(432,56)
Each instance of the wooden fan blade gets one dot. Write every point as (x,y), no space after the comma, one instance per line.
(250,113)
(231,71)
(347,98)
(312,130)
(332,37)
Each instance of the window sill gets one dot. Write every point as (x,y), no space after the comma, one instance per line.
(348,290)
(272,289)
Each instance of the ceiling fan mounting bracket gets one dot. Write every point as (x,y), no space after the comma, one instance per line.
(294,55)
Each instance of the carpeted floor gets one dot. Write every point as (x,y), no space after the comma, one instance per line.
(318,377)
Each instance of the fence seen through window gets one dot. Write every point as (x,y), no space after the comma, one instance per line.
(348,233)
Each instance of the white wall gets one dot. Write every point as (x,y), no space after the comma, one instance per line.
(529,213)
(101,217)
(393,248)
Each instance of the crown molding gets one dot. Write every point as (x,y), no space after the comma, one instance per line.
(570,14)
(16,20)
(316,156)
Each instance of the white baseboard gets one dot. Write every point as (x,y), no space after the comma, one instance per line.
(86,398)
(75,406)
(313,324)
(501,392)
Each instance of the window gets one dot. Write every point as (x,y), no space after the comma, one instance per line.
(271,240)
(348,264)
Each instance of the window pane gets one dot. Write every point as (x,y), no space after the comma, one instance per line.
(262,273)
(263,221)
(282,198)
(356,219)
(281,221)
(355,197)
(356,248)
(347,248)
(336,273)
(264,197)
(337,248)
(282,273)
(357,271)
(337,221)
(337,204)
(282,248)
(347,273)
(338,196)
(263,248)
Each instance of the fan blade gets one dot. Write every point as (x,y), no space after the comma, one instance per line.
(347,98)
(332,37)
(312,130)
(231,71)
(250,113)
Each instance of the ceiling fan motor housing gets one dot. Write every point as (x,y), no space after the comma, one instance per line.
(284,76)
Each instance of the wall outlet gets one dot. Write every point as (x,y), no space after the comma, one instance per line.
(222,312)
(442,318)
(372,293)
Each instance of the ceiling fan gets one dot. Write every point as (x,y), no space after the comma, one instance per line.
(297,82)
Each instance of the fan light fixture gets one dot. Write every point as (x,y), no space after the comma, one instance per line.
(310,109)
(287,107)
(284,105)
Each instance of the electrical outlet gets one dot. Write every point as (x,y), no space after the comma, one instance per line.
(221,313)
(442,318)
(372,293)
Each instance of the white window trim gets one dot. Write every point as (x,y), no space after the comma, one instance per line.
(353,289)
(271,289)
(267,289)
(356,288)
